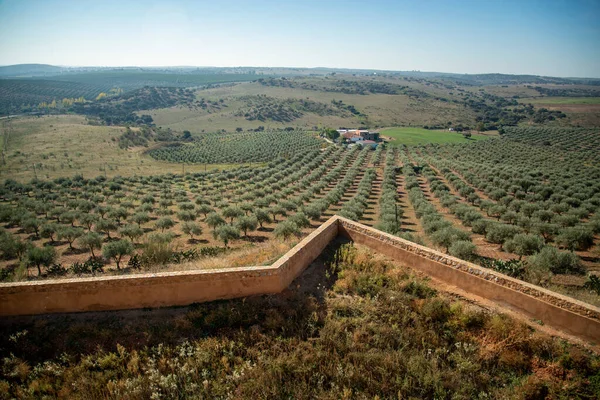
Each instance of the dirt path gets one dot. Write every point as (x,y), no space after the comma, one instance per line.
(371,214)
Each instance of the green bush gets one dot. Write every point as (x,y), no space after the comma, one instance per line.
(464,250)
(557,262)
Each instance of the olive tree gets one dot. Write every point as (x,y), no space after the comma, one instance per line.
(575,238)
(247,223)
(232,212)
(191,228)
(557,262)
(90,241)
(286,229)
(262,217)
(164,223)
(446,236)
(48,231)
(463,249)
(226,233)
(132,232)
(106,226)
(40,256)
(214,220)
(70,234)
(117,250)
(523,244)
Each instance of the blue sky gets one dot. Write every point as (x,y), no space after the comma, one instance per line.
(551,37)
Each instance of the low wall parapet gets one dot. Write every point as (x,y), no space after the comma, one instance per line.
(186,287)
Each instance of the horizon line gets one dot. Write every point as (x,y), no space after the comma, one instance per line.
(307,68)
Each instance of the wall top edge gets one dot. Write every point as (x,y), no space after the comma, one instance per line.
(352,224)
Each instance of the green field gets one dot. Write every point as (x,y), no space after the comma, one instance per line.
(415,136)
(562,100)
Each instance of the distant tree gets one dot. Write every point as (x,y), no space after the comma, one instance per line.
(575,238)
(117,250)
(330,133)
(32,225)
(204,209)
(446,236)
(275,211)
(500,233)
(88,220)
(69,217)
(313,212)
(118,214)
(557,262)
(463,249)
(140,218)
(186,216)
(300,220)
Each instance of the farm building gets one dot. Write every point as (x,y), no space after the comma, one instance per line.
(366,135)
(354,135)
(371,143)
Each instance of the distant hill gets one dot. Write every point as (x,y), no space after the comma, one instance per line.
(26,70)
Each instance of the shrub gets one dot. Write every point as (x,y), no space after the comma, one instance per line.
(500,233)
(593,283)
(156,250)
(576,238)
(447,236)
(286,229)
(557,262)
(524,244)
(464,250)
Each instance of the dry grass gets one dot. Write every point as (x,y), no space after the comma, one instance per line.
(252,255)
(382,110)
(65,145)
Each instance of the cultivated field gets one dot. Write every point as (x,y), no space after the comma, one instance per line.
(415,136)
(491,201)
